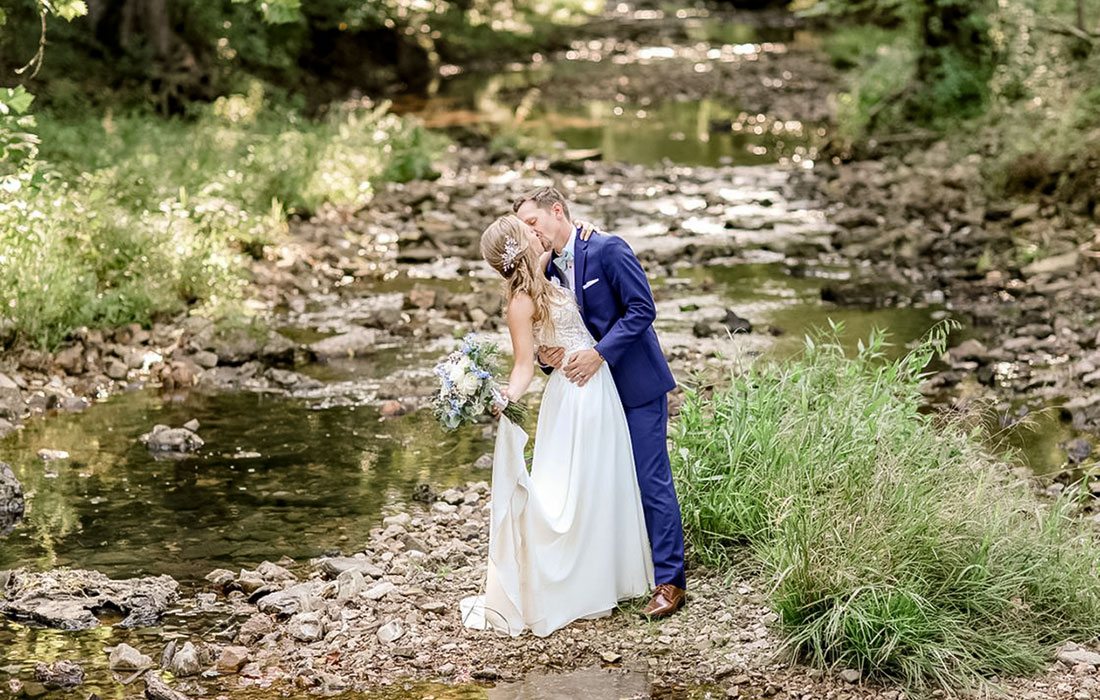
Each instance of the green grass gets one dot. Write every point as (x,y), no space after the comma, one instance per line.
(127,217)
(891,541)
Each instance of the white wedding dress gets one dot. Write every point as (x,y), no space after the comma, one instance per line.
(568,540)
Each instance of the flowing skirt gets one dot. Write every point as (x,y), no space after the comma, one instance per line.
(568,540)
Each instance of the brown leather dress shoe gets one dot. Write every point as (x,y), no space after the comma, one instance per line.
(666,600)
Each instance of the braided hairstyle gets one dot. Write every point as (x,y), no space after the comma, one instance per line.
(506,246)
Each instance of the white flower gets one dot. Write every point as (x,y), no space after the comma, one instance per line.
(470,384)
(456,372)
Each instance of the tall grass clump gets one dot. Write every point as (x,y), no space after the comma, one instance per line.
(891,540)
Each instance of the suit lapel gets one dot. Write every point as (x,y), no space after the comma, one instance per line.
(580,262)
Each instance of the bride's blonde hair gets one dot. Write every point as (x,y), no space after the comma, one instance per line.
(507,248)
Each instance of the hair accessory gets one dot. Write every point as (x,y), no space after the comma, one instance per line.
(511,252)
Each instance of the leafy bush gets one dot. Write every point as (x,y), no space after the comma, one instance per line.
(891,541)
(130,216)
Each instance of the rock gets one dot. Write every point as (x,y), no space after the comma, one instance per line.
(1073,655)
(452,496)
(255,628)
(349,585)
(443,508)
(12,405)
(704,329)
(735,323)
(232,346)
(51,455)
(379,590)
(66,598)
(6,428)
(356,342)
(164,439)
(1024,213)
(302,597)
(1056,265)
(402,519)
(185,662)
(611,657)
(969,350)
(392,409)
(221,577)
(11,500)
(157,689)
(390,632)
(485,461)
(269,571)
(1078,450)
(73,404)
(278,349)
(422,297)
(250,581)
(334,566)
(231,659)
(205,359)
(850,675)
(306,627)
(71,359)
(192,425)
(59,675)
(116,369)
(854,217)
(126,658)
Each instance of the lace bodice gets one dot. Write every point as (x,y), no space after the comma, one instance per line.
(569,331)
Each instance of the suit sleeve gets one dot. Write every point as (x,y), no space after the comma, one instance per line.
(631,287)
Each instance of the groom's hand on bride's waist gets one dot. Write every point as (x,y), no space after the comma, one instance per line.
(551,356)
(583,366)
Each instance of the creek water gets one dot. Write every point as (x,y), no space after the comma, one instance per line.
(286,477)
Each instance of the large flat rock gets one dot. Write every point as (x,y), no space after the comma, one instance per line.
(71,598)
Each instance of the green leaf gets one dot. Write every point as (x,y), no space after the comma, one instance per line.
(3,18)
(16,99)
(71,9)
(281,11)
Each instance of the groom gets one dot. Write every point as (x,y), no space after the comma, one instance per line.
(617,305)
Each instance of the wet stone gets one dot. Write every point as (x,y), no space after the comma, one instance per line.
(59,675)
(126,658)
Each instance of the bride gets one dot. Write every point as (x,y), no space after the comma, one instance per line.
(568,540)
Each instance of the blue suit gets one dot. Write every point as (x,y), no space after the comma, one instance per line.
(617,305)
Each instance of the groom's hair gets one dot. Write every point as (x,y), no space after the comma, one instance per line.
(544,198)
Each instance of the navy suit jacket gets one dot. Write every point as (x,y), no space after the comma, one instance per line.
(617,306)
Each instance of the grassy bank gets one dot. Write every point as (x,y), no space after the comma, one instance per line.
(1029,103)
(891,541)
(124,217)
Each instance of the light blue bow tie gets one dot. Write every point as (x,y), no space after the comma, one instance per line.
(564,260)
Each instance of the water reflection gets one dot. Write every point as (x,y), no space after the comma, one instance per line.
(275,478)
(712,131)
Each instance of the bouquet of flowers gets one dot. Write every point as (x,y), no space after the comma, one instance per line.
(467,388)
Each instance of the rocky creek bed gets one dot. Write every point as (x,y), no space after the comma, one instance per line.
(389,288)
(388,615)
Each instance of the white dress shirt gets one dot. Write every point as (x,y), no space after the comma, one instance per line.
(571,272)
